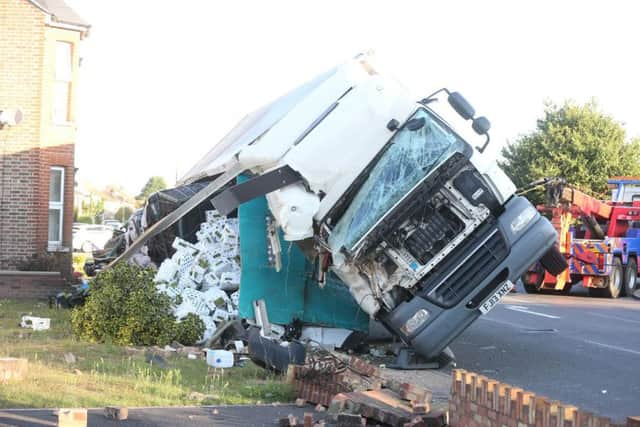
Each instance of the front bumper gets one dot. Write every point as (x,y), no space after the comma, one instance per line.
(444,324)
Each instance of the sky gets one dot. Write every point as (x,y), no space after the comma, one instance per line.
(163,81)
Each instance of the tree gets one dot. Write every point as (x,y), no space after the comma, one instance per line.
(155,183)
(123,213)
(577,142)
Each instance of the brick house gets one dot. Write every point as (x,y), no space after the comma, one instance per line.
(39,61)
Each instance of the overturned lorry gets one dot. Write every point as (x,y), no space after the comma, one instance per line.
(356,202)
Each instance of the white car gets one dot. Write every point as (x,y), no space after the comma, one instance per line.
(113,223)
(89,237)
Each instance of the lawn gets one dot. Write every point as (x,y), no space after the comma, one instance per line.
(105,374)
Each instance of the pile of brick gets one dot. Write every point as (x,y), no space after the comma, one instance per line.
(479,401)
(353,388)
(204,278)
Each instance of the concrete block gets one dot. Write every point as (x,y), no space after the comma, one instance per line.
(116,412)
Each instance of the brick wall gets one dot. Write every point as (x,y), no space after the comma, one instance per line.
(25,284)
(22,31)
(30,149)
(477,401)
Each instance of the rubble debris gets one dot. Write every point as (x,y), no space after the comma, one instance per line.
(300,402)
(350,420)
(12,368)
(35,323)
(116,412)
(69,358)
(349,385)
(75,417)
(155,360)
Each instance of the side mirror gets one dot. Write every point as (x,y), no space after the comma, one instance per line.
(461,105)
(481,125)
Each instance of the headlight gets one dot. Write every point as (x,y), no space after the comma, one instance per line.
(523,219)
(415,322)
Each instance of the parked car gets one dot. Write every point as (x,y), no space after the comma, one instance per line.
(90,237)
(113,223)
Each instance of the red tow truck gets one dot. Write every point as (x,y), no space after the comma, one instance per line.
(599,239)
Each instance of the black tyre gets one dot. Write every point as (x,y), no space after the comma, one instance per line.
(553,261)
(614,281)
(630,277)
(596,292)
(533,288)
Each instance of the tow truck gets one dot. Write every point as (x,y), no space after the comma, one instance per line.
(375,189)
(600,239)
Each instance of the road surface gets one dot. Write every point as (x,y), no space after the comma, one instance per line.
(577,349)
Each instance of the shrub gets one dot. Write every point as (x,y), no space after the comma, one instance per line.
(189,330)
(124,308)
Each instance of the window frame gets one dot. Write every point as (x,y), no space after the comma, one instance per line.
(56,205)
(58,80)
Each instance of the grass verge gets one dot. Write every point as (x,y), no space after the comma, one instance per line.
(105,374)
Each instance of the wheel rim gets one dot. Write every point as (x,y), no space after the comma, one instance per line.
(616,281)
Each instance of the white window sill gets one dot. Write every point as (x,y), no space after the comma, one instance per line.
(57,247)
(63,124)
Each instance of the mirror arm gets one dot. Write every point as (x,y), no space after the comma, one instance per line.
(429,98)
(484,146)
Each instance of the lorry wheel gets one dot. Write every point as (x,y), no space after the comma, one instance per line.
(614,281)
(553,261)
(533,288)
(596,292)
(630,277)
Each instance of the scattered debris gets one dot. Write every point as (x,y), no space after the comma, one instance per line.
(12,368)
(353,388)
(69,358)
(300,402)
(155,360)
(204,277)
(35,323)
(219,358)
(76,417)
(116,412)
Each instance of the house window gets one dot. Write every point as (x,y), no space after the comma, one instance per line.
(56,205)
(62,83)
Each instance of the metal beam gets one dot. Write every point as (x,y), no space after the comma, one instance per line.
(232,197)
(182,210)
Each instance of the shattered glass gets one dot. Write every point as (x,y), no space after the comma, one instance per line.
(410,156)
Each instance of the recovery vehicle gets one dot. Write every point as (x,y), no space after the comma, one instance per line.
(392,213)
(599,239)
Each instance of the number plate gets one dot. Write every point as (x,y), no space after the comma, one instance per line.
(494,299)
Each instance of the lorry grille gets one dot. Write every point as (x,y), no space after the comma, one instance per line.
(447,288)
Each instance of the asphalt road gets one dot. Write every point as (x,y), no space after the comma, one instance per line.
(227,416)
(577,349)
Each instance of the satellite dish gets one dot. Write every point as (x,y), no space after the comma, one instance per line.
(10,117)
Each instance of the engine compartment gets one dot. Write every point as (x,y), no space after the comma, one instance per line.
(409,241)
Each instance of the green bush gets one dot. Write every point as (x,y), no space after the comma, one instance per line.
(124,308)
(85,219)
(190,329)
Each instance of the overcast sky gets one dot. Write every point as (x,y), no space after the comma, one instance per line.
(163,81)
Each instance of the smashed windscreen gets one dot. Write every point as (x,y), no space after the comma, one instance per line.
(409,157)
